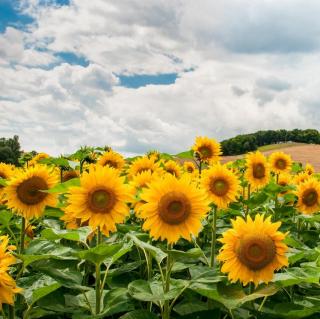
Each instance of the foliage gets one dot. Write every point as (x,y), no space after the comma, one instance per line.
(10,150)
(241,144)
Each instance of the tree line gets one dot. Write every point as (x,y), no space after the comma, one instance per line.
(244,143)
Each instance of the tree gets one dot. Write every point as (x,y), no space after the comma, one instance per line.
(10,150)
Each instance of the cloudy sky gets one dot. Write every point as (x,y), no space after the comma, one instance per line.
(146,74)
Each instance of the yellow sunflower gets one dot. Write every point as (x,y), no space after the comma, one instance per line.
(6,171)
(8,287)
(257,173)
(221,185)
(173,168)
(173,209)
(309,169)
(301,178)
(206,149)
(308,194)
(252,250)
(100,200)
(37,158)
(189,167)
(112,159)
(24,191)
(143,179)
(143,164)
(284,179)
(67,175)
(280,162)
(139,182)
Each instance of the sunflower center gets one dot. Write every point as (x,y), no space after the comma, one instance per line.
(205,151)
(190,169)
(29,191)
(171,171)
(256,251)
(259,171)
(111,164)
(69,175)
(174,208)
(143,169)
(281,163)
(310,197)
(101,200)
(219,187)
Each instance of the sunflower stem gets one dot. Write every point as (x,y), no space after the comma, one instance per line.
(98,276)
(262,303)
(22,234)
(247,208)
(166,310)
(213,236)
(11,312)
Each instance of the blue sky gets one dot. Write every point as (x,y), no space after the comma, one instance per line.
(138,75)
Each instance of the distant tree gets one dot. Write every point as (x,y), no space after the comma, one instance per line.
(10,150)
(250,142)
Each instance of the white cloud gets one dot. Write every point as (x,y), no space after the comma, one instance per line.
(255,67)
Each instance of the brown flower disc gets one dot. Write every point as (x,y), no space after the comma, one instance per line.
(29,191)
(174,208)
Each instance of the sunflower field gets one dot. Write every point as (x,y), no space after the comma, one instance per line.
(95,235)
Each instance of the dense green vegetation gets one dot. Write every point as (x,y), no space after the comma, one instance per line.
(10,150)
(241,144)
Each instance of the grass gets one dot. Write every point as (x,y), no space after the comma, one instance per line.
(277,146)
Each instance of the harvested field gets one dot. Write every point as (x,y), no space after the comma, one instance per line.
(301,153)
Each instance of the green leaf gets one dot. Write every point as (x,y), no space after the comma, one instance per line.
(53,212)
(126,247)
(63,187)
(187,154)
(79,234)
(186,256)
(3,182)
(302,309)
(37,286)
(59,161)
(231,296)
(42,249)
(67,277)
(139,314)
(5,217)
(296,276)
(100,253)
(155,252)
(153,290)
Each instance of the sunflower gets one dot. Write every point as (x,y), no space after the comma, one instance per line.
(301,178)
(6,171)
(70,174)
(8,287)
(284,179)
(173,208)
(24,191)
(142,164)
(252,250)
(308,194)
(139,182)
(172,168)
(221,185)
(257,173)
(189,167)
(38,158)
(112,159)
(207,150)
(309,169)
(100,200)
(143,179)
(280,162)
